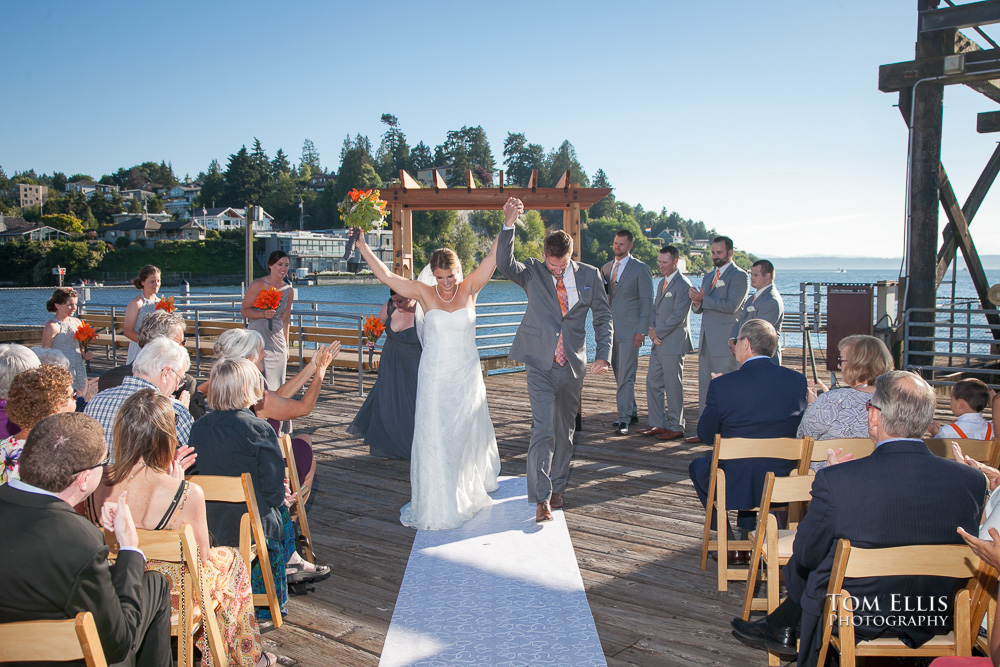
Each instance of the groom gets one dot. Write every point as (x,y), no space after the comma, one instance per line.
(552,343)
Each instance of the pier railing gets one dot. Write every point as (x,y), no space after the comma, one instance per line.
(948,344)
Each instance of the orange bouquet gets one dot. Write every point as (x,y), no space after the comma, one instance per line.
(372,330)
(166,304)
(268,299)
(362,211)
(83,335)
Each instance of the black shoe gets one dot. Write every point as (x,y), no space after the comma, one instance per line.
(757,634)
(634,419)
(579,427)
(618,425)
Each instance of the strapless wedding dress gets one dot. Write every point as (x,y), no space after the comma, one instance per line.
(454,463)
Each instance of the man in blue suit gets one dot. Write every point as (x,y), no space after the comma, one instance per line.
(899,495)
(760,400)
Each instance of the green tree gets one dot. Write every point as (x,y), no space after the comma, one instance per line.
(64,222)
(529,238)
(213,186)
(4,181)
(122,242)
(309,163)
(520,158)
(465,243)
(18,260)
(103,208)
(79,258)
(239,181)
(260,170)
(421,157)
(393,153)
(357,170)
(466,149)
(75,178)
(561,159)
(59,181)
(280,165)
(282,200)
(155,205)
(606,207)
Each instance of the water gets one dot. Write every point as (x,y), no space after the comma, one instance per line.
(27,306)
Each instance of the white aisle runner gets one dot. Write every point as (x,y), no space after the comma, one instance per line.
(500,590)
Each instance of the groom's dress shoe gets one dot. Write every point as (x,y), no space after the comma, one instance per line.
(758,634)
(693,439)
(670,435)
(652,430)
(617,425)
(543,513)
(556,501)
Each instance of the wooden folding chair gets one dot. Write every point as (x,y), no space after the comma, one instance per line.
(72,639)
(252,545)
(941,560)
(984,451)
(728,449)
(197,609)
(292,474)
(860,447)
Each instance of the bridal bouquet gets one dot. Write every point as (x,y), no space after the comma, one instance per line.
(84,335)
(268,299)
(372,330)
(363,211)
(166,304)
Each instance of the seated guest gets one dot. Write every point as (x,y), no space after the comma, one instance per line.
(14,358)
(901,494)
(158,324)
(34,394)
(841,412)
(968,400)
(161,499)
(230,441)
(280,406)
(160,365)
(60,558)
(385,420)
(760,400)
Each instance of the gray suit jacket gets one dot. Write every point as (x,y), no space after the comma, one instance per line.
(537,336)
(671,316)
(719,308)
(632,300)
(766,305)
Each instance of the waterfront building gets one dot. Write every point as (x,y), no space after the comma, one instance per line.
(19,229)
(88,188)
(146,229)
(180,198)
(157,217)
(28,195)
(323,251)
(319,181)
(228,218)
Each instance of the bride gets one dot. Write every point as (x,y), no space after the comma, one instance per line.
(455,463)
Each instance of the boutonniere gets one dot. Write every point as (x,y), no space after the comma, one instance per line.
(668,294)
(720,283)
(751,309)
(586,287)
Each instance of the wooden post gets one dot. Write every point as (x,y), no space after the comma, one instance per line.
(407,257)
(396,215)
(571,225)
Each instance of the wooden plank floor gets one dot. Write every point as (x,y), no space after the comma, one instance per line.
(632,513)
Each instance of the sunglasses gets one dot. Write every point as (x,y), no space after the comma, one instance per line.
(102,464)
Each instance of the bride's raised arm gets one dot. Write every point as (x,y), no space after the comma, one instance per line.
(478,278)
(411,289)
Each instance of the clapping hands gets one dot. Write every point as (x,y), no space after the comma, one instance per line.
(117,518)
(992,474)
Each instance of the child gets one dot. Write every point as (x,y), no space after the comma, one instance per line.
(968,400)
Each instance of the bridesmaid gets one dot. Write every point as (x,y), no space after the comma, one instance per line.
(148,281)
(267,322)
(59,331)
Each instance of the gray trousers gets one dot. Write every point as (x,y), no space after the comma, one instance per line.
(708,364)
(624,364)
(665,379)
(554,396)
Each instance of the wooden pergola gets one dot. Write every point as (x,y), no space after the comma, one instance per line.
(407,196)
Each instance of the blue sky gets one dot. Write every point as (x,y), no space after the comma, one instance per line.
(765,121)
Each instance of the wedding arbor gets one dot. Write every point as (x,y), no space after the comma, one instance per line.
(407,195)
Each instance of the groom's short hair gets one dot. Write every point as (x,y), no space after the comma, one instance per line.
(558,244)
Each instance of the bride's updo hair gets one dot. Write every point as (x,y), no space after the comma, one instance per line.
(445,258)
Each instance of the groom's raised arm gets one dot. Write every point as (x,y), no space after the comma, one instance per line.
(509,267)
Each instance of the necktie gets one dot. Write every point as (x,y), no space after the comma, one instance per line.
(564,307)
(663,285)
(716,278)
(614,276)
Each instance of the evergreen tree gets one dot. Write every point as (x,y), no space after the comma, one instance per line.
(606,207)
(421,158)
(280,165)
(561,159)
(213,187)
(393,153)
(465,149)
(309,163)
(238,179)
(58,182)
(260,173)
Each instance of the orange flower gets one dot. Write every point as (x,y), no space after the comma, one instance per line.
(84,334)
(355,195)
(373,328)
(268,299)
(166,304)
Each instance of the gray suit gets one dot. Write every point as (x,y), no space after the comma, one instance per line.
(631,301)
(671,320)
(553,390)
(766,304)
(718,317)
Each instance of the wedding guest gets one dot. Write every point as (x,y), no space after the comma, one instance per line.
(969,398)
(841,412)
(54,357)
(148,281)
(385,420)
(272,324)
(55,561)
(34,394)
(14,358)
(161,499)
(59,333)
(230,441)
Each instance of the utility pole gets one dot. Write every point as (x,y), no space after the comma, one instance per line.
(249,240)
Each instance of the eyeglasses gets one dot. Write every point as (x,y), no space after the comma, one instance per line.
(869,406)
(180,377)
(102,464)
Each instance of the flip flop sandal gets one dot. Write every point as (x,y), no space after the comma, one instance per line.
(297,574)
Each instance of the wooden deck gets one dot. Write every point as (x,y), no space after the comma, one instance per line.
(633,516)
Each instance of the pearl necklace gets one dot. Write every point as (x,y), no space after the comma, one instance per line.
(442,298)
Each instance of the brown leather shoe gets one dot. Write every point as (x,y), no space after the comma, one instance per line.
(670,435)
(543,513)
(556,501)
(693,439)
(652,430)
(738,557)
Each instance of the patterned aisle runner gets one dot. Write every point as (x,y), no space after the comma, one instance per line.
(500,590)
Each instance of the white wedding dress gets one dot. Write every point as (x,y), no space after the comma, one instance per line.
(454,463)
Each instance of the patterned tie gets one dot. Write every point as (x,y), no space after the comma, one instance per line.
(614,276)
(715,279)
(564,307)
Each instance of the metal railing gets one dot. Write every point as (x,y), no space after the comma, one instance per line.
(945,344)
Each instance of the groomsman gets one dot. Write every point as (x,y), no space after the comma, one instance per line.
(551,341)
(722,293)
(766,304)
(670,332)
(629,284)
